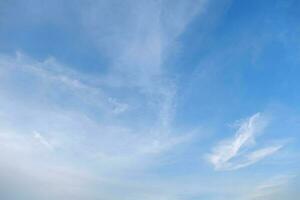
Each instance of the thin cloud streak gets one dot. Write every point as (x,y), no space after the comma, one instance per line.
(240,151)
(42,140)
(271,188)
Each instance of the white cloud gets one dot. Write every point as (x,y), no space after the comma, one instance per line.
(103,132)
(272,188)
(240,151)
(138,40)
(32,123)
(42,140)
(117,106)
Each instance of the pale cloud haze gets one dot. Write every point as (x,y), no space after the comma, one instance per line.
(149,100)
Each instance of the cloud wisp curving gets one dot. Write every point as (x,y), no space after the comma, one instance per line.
(240,151)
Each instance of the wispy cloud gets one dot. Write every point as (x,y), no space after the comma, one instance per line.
(47,140)
(116,122)
(51,72)
(93,105)
(141,37)
(42,140)
(271,188)
(240,151)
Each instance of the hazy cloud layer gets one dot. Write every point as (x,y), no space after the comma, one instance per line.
(113,99)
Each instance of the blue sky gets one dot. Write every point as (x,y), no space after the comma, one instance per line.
(152,100)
